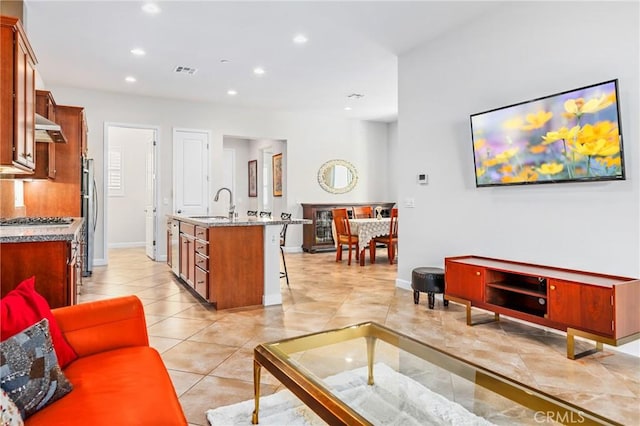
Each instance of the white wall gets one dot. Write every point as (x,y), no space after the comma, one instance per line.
(310,141)
(520,51)
(393,161)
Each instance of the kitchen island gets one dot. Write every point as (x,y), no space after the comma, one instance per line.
(229,263)
(51,253)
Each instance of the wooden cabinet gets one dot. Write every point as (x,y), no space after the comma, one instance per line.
(317,236)
(62,197)
(595,306)
(45,151)
(223,264)
(169,244)
(55,265)
(465,281)
(17,99)
(194,260)
(595,313)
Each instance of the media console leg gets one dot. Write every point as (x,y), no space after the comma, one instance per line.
(571,344)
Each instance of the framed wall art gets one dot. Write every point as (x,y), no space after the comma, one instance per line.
(253,178)
(277,175)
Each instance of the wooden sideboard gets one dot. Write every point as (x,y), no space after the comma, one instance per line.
(317,236)
(599,307)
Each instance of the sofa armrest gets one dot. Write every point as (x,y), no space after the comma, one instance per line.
(103,325)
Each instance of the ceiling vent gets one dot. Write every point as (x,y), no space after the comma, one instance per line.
(185,70)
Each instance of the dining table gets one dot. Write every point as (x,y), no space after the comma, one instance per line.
(367,230)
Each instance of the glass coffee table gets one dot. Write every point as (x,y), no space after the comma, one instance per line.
(356,375)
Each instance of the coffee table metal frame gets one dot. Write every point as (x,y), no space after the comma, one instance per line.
(275,358)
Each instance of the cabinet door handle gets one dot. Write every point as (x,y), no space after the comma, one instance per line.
(200,282)
(552,287)
(478,273)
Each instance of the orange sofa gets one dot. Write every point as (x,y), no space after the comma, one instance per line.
(118,379)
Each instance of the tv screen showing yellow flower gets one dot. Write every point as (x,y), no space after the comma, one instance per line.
(571,136)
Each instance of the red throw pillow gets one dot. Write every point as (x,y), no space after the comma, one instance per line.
(21,308)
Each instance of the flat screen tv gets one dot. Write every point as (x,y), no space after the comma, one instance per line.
(573,136)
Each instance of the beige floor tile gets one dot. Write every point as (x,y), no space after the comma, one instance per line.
(177,328)
(196,357)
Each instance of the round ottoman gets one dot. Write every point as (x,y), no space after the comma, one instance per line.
(427,280)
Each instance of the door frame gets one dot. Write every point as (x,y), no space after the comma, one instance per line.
(105,182)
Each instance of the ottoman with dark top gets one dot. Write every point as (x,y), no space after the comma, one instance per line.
(427,280)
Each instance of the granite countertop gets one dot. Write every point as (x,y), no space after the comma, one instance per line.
(214,221)
(37,233)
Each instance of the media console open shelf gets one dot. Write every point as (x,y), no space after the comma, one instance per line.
(599,307)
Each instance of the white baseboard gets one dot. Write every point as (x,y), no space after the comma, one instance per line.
(99,262)
(404,284)
(292,249)
(126,245)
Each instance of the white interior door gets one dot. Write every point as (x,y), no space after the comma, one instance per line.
(150,209)
(191,172)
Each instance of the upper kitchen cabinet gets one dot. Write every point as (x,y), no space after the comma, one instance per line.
(45,152)
(17,99)
(62,197)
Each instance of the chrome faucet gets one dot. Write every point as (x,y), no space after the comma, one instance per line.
(232,208)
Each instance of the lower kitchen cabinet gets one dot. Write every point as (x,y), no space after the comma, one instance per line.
(223,264)
(55,265)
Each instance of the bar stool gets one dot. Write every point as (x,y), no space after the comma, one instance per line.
(283,240)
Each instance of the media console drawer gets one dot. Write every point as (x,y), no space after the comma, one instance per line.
(595,306)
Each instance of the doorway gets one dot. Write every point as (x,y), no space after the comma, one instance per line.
(130,187)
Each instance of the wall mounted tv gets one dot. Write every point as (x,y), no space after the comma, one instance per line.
(573,136)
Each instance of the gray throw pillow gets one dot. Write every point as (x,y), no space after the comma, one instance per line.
(29,370)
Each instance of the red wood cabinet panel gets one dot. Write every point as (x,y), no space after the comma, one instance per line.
(580,306)
(17,99)
(55,278)
(464,281)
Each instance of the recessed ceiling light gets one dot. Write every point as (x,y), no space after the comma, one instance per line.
(130,79)
(138,52)
(231,92)
(151,8)
(258,70)
(348,108)
(300,39)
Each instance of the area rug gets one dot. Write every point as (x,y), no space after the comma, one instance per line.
(393,400)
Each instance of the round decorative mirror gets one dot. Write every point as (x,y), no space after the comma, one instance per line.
(337,176)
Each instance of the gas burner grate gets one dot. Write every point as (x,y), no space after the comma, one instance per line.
(35,221)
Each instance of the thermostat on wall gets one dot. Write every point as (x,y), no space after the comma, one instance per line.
(423,178)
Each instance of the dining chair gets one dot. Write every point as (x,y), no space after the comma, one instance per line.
(265,214)
(391,239)
(343,234)
(362,212)
(283,241)
(251,213)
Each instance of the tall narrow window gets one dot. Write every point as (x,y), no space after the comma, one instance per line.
(115,172)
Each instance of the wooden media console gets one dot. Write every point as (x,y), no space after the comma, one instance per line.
(599,307)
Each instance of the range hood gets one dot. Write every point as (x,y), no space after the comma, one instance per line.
(48,131)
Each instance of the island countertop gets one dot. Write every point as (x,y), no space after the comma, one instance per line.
(214,221)
(38,233)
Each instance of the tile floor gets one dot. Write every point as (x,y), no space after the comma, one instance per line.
(209,353)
